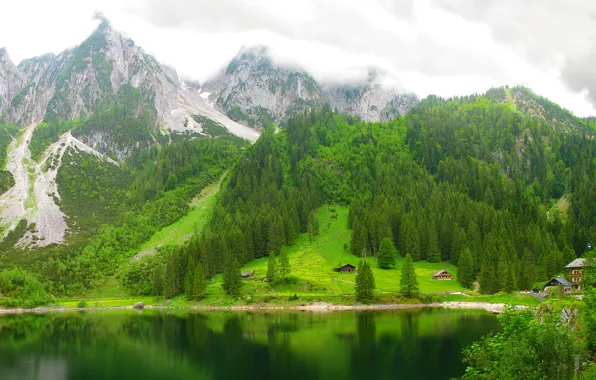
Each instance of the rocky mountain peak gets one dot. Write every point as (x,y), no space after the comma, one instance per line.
(11,80)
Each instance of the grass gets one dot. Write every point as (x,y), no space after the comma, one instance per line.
(312,266)
(312,278)
(196,218)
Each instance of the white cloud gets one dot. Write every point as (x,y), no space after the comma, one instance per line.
(447,47)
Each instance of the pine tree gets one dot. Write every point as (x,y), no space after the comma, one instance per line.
(199,285)
(434,254)
(189,278)
(409,281)
(272,269)
(465,269)
(365,283)
(284,265)
(387,253)
(170,280)
(313,226)
(157,280)
(232,280)
(508,280)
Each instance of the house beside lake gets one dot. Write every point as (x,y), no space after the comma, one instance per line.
(556,282)
(576,272)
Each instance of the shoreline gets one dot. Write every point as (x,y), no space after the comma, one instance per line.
(495,308)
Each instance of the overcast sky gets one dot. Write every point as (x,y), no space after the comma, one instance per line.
(445,47)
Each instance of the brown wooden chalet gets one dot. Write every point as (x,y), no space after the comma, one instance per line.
(442,275)
(576,269)
(345,268)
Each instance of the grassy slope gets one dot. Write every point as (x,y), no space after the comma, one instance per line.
(182,230)
(312,274)
(312,266)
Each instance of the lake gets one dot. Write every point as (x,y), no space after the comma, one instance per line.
(395,344)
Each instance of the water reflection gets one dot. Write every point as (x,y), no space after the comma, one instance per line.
(421,344)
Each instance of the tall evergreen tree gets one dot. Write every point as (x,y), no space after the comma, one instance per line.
(272,269)
(189,278)
(365,283)
(409,282)
(199,285)
(465,269)
(171,288)
(434,254)
(157,280)
(284,264)
(386,258)
(313,226)
(232,280)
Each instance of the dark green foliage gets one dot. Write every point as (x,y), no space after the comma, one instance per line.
(92,191)
(527,349)
(465,269)
(433,254)
(365,283)
(408,283)
(189,278)
(199,286)
(46,134)
(157,280)
(232,280)
(386,257)
(19,288)
(272,269)
(6,181)
(284,264)
(313,226)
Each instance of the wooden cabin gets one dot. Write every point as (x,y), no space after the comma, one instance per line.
(345,268)
(576,272)
(442,275)
(555,282)
(248,274)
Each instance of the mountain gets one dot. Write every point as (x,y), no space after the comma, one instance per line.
(371,100)
(11,80)
(255,90)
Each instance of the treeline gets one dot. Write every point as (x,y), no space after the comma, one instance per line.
(466,180)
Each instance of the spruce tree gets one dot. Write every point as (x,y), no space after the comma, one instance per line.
(157,280)
(272,269)
(386,257)
(465,269)
(508,280)
(408,281)
(199,285)
(365,283)
(170,280)
(313,226)
(189,278)
(232,279)
(434,254)
(284,264)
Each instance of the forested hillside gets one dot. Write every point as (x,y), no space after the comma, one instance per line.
(470,180)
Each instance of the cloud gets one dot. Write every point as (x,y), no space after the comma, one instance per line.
(446,47)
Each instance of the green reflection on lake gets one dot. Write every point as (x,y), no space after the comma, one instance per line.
(399,344)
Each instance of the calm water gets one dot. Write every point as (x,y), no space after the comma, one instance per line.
(422,344)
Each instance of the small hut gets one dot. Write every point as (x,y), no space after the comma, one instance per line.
(555,282)
(248,274)
(345,268)
(442,275)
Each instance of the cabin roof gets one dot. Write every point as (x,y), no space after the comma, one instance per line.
(561,281)
(577,263)
(442,271)
(345,265)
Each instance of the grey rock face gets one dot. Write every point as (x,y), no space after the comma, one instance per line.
(370,100)
(11,80)
(253,87)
